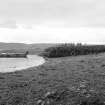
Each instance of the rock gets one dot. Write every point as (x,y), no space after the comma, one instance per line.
(39,102)
(51,95)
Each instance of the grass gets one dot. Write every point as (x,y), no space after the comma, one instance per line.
(76,80)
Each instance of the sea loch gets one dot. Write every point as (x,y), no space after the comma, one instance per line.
(15,64)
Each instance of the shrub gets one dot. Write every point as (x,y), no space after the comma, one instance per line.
(64,50)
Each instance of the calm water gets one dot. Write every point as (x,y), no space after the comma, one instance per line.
(14,64)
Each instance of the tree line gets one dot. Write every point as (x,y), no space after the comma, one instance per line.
(64,50)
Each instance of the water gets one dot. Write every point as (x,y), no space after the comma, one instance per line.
(15,64)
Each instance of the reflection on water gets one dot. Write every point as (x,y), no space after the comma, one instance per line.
(13,64)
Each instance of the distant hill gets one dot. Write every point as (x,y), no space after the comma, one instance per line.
(21,47)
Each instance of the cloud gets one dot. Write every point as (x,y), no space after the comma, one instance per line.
(45,34)
(8,24)
(52,20)
(11,24)
(72,12)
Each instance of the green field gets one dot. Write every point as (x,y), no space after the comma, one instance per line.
(76,80)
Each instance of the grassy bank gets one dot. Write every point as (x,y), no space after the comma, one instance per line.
(60,81)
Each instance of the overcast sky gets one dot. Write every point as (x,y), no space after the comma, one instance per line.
(39,21)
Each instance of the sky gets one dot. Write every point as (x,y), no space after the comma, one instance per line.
(52,21)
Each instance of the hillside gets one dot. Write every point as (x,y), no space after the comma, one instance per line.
(76,80)
(21,47)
